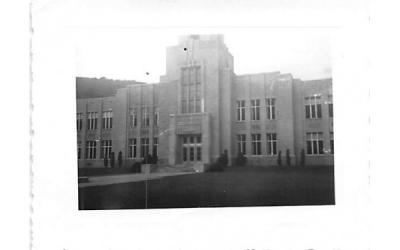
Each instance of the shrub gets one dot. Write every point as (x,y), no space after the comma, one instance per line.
(303,158)
(279,158)
(288,157)
(112,159)
(154,159)
(105,161)
(241,160)
(216,167)
(136,167)
(221,163)
(119,159)
(148,159)
(224,158)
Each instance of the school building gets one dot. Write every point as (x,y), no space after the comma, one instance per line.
(200,108)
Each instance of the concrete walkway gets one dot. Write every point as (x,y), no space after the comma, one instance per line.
(124,178)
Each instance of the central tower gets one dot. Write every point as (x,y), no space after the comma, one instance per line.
(201,129)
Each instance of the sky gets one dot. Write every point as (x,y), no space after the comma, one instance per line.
(129,53)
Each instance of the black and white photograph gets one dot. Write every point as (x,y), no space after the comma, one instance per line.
(168,124)
(242,118)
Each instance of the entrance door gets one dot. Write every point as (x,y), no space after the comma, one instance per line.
(191,148)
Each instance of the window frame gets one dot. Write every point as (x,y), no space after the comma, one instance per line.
(144,146)
(272,140)
(90,152)
(313,107)
(270,108)
(92,120)
(105,147)
(145,117)
(132,148)
(241,143)
(79,121)
(241,110)
(256,147)
(107,117)
(315,142)
(255,109)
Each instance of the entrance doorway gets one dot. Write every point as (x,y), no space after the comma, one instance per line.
(191,148)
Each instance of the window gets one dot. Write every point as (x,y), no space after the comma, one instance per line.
(241,143)
(191,148)
(190,90)
(313,107)
(241,110)
(270,108)
(155,146)
(107,119)
(332,143)
(255,110)
(191,153)
(91,120)
(271,144)
(132,148)
(144,143)
(315,143)
(90,150)
(145,117)
(330,108)
(79,149)
(132,117)
(256,144)
(79,118)
(105,151)
(155,116)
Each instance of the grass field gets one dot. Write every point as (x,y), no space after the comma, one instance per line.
(236,186)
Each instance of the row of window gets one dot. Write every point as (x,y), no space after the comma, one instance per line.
(92,117)
(314,141)
(107,119)
(313,108)
(145,117)
(106,148)
(255,109)
(190,90)
(133,145)
(256,144)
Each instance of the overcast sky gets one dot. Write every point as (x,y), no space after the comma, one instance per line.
(124,53)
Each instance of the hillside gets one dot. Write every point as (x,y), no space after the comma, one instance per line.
(99,87)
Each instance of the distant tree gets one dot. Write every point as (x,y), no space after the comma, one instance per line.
(225,159)
(105,161)
(288,157)
(303,158)
(279,158)
(112,159)
(120,159)
(240,159)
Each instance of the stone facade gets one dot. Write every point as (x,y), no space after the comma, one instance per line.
(201,108)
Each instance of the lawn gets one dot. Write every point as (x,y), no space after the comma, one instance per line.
(236,186)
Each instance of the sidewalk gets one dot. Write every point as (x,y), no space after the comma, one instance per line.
(124,178)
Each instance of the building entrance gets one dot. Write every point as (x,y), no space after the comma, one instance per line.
(191,148)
